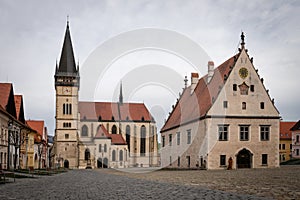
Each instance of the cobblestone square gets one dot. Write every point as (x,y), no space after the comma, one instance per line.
(193,184)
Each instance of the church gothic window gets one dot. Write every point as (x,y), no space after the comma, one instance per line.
(121,155)
(128,136)
(143,141)
(114,129)
(113,155)
(84,130)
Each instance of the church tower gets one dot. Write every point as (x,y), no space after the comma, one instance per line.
(66,87)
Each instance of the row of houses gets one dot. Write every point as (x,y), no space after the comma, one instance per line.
(23,143)
(289,146)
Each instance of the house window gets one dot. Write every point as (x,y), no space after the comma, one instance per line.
(264,133)
(252,88)
(170,160)
(143,141)
(189,136)
(222,160)
(66,136)
(100,147)
(291,146)
(223,132)
(279,146)
(178,161)
(283,146)
(178,138)
(297,152)
(84,130)
(163,141)
(264,159)
(297,138)
(113,156)
(170,140)
(244,133)
(262,105)
(114,129)
(225,104)
(234,87)
(244,105)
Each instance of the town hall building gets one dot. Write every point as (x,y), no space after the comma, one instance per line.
(226,119)
(98,134)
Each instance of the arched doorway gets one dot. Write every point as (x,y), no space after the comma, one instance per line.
(66,164)
(105,163)
(244,159)
(99,163)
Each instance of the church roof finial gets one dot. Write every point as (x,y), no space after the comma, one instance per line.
(121,94)
(243,40)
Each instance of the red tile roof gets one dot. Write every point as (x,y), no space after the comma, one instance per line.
(296,127)
(107,110)
(5,89)
(285,132)
(38,126)
(116,139)
(193,106)
(19,107)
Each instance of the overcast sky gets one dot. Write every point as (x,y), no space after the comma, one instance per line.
(117,35)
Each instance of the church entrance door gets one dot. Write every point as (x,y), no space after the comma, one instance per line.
(105,163)
(99,163)
(244,159)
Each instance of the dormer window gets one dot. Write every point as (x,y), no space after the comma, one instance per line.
(143,119)
(99,118)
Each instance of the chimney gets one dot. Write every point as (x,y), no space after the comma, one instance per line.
(194,81)
(210,70)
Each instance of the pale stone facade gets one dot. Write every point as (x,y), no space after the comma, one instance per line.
(229,115)
(78,139)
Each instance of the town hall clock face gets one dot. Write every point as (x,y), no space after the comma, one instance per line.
(243,72)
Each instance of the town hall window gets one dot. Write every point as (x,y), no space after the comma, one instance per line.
(170,140)
(189,137)
(244,132)
(178,138)
(163,141)
(222,160)
(264,159)
(244,105)
(264,133)
(223,132)
(225,104)
(262,105)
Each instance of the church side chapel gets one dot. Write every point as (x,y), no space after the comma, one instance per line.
(98,134)
(226,119)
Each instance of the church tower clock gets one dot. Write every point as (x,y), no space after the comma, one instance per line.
(66,118)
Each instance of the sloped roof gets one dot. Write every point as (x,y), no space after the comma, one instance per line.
(107,110)
(38,126)
(296,127)
(101,132)
(67,60)
(19,108)
(193,106)
(4,93)
(116,139)
(285,130)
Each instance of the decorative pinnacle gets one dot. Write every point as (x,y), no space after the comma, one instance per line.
(243,40)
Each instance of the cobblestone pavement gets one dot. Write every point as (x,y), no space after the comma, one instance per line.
(102,184)
(279,183)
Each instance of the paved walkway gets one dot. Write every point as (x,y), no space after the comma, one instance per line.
(102,184)
(278,183)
